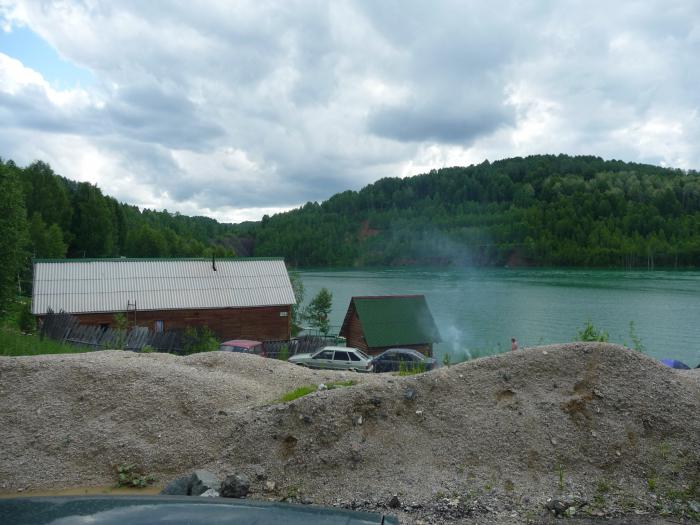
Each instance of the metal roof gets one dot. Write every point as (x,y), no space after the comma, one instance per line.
(393,320)
(108,285)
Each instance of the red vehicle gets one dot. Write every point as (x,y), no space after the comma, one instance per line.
(245,346)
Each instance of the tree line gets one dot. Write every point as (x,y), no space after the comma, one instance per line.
(545,210)
(43,215)
(542,210)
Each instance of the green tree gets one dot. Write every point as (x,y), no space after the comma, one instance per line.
(13,232)
(46,242)
(92,225)
(318,311)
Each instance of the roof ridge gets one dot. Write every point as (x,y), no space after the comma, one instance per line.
(155,259)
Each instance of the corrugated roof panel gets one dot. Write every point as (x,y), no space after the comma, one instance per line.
(83,285)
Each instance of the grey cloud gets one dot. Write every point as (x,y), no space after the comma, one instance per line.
(442,125)
(286,83)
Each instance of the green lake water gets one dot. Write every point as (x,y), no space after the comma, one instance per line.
(480,309)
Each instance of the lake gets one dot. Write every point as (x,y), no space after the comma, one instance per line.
(481,309)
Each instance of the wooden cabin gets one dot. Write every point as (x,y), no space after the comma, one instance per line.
(237,298)
(376,323)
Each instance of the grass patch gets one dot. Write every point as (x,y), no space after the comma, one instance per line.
(298,392)
(310,389)
(16,344)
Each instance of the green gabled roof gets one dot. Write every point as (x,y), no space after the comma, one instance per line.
(396,320)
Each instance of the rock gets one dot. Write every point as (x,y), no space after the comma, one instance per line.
(394,502)
(554,441)
(419,412)
(235,486)
(203,480)
(376,401)
(178,487)
(557,506)
(306,419)
(322,386)
(260,473)
(270,486)
(209,493)
(305,500)
(410,394)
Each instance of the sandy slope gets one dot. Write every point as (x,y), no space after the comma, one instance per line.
(489,440)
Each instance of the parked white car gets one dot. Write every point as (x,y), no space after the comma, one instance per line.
(335,358)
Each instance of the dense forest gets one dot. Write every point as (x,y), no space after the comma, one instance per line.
(539,210)
(43,215)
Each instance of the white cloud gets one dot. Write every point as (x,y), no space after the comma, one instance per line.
(238,109)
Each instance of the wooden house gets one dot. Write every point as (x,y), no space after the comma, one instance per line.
(237,298)
(376,323)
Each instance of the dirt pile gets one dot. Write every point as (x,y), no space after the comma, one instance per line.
(489,439)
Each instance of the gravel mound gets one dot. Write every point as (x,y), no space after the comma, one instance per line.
(488,440)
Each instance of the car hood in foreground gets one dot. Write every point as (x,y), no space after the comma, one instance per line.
(174,510)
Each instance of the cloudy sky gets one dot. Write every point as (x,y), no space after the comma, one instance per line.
(233,109)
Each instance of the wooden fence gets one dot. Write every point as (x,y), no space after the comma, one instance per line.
(66,328)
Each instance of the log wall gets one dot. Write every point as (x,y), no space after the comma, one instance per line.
(258,323)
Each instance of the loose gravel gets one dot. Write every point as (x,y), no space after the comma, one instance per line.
(609,431)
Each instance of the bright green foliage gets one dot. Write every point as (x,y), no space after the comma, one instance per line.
(446,359)
(297,393)
(200,339)
(46,241)
(591,333)
(318,310)
(13,343)
(13,232)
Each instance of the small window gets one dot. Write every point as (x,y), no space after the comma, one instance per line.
(326,354)
(341,356)
(353,357)
(158,326)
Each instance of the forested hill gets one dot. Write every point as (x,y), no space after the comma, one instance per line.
(67,218)
(539,210)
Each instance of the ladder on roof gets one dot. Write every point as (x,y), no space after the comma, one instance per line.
(131,307)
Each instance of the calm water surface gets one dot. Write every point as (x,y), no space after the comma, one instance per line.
(480,309)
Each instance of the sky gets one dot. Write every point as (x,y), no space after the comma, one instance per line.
(236,109)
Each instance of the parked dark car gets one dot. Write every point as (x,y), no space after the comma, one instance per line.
(402,359)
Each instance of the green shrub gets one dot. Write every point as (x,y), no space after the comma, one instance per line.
(200,339)
(283,354)
(26,321)
(591,333)
(132,477)
(636,341)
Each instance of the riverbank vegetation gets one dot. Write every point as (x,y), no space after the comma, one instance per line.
(543,210)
